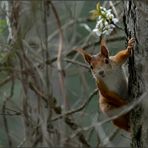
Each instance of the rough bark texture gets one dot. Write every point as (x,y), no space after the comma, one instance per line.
(136,25)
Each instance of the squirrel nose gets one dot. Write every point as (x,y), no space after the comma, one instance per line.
(101,72)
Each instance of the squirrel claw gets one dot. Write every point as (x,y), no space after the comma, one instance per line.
(131,43)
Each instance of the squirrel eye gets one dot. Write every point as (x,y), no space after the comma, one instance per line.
(106,61)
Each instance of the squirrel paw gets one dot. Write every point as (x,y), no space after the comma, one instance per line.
(131,43)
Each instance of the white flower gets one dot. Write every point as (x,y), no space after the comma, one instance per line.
(109,11)
(112,26)
(106,32)
(102,8)
(103,13)
(115,20)
(99,17)
(97,32)
(99,22)
(105,22)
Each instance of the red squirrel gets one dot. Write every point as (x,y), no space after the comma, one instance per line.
(111,80)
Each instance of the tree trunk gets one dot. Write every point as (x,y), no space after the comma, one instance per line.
(136,25)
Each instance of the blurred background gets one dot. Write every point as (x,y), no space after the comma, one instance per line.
(48,96)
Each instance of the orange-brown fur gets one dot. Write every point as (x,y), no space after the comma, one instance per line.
(110,80)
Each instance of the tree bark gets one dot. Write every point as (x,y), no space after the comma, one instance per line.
(136,25)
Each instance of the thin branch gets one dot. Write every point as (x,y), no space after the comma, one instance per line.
(78,109)
(51,102)
(77,63)
(60,36)
(74,126)
(4,114)
(59,55)
(10,114)
(113,8)
(38,92)
(110,138)
(21,143)
(46,54)
(3,82)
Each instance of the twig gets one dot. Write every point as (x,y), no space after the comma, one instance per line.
(127,137)
(38,92)
(74,126)
(4,114)
(14,112)
(10,114)
(77,63)
(3,82)
(90,134)
(110,137)
(59,55)
(22,143)
(78,109)
(113,8)
(51,102)
(46,53)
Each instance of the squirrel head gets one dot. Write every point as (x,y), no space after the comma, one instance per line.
(100,63)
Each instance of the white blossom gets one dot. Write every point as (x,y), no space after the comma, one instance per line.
(105,22)
(115,20)
(97,32)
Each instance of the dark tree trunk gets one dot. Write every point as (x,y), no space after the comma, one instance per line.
(136,25)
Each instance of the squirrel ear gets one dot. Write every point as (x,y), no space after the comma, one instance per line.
(104,50)
(87,57)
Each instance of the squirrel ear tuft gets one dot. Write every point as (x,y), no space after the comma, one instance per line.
(104,50)
(87,57)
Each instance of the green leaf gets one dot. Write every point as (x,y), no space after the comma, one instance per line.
(98,8)
(94,14)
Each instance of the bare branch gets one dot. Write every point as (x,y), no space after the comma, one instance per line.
(78,109)
(3,82)
(59,55)
(77,63)
(4,114)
